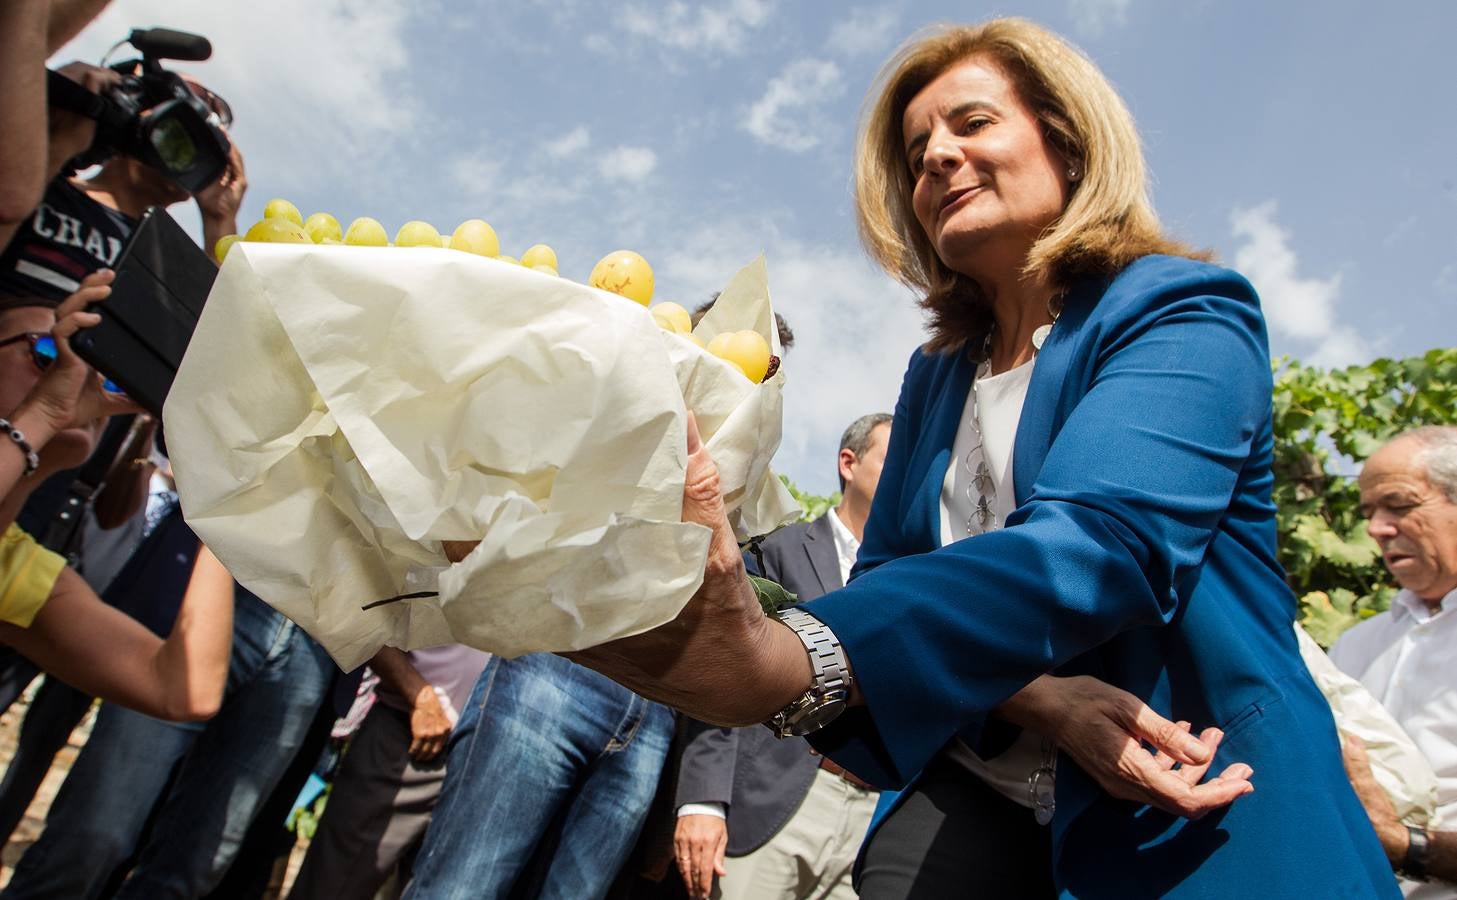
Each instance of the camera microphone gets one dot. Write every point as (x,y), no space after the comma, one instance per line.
(167,43)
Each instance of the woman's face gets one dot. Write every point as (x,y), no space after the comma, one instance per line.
(986,182)
(18,373)
(19,376)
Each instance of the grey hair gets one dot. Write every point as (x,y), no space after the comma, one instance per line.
(856,438)
(1437,456)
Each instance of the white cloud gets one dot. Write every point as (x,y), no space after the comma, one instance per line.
(1096,16)
(308,82)
(785,116)
(723,28)
(1301,308)
(854,329)
(866,30)
(630,164)
(1446,282)
(569,144)
(533,191)
(475,175)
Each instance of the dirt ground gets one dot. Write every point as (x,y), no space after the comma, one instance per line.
(30,828)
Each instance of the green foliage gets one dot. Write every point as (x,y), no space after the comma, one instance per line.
(813,505)
(772,595)
(1326,422)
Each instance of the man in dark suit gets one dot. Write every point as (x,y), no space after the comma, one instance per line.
(768,816)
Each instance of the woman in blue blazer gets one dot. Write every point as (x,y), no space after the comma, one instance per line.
(1128,545)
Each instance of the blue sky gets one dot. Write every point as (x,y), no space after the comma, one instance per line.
(1310,145)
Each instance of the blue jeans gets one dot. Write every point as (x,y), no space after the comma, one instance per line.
(551,771)
(225,768)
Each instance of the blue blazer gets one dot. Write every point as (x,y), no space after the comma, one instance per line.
(1141,552)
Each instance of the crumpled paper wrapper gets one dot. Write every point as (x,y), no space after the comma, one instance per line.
(342,410)
(1397,763)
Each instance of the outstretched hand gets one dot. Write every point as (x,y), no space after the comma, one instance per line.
(721,660)
(1105,730)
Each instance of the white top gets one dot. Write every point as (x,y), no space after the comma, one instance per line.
(1407,658)
(999,401)
(846,546)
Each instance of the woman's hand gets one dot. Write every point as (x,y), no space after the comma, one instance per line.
(1104,729)
(721,660)
(70,394)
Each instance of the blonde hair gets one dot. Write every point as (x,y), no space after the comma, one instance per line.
(1109,220)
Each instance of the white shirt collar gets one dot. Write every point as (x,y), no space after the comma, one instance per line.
(1406,603)
(846,547)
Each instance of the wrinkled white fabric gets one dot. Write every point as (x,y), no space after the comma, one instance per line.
(1396,762)
(342,410)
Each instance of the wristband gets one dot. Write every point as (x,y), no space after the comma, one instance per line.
(1414,866)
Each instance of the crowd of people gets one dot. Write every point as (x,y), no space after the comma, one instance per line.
(1042,646)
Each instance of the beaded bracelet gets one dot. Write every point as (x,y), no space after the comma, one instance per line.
(32,459)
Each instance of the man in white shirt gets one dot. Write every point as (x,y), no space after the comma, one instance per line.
(1407,656)
(768,816)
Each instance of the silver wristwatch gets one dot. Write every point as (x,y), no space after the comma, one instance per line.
(829,693)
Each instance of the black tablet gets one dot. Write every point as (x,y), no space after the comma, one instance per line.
(162,281)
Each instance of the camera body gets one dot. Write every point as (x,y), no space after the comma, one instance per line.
(154,116)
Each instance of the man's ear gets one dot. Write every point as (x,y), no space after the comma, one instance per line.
(847,459)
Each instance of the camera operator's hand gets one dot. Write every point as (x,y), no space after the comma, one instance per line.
(68,17)
(70,394)
(71,134)
(221,200)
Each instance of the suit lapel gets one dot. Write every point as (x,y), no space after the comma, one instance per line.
(1042,412)
(819,546)
(943,417)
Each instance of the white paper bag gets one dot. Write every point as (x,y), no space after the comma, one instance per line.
(342,410)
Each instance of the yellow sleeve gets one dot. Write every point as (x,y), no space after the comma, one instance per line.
(28,573)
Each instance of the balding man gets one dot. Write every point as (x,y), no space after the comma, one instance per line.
(1407,656)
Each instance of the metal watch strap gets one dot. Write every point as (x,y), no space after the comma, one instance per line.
(832,678)
(825,657)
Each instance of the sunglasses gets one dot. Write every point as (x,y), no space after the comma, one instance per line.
(43,352)
(218,105)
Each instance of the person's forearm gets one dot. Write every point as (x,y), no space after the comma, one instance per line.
(393,668)
(1036,707)
(15,485)
(214,227)
(22,108)
(1442,856)
(1441,850)
(127,482)
(192,664)
(67,18)
(98,649)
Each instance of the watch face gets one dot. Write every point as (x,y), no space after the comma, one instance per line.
(813,718)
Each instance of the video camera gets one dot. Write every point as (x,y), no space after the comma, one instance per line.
(154,116)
